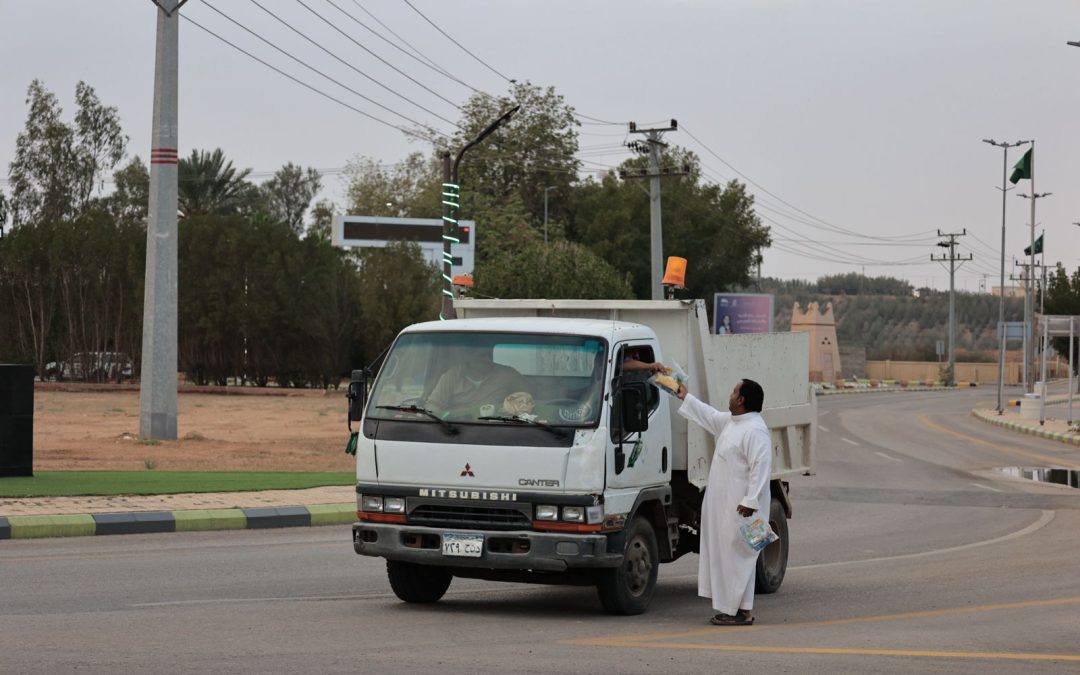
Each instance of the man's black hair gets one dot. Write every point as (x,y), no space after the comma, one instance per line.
(753,395)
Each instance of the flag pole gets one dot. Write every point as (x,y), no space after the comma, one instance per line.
(1029,352)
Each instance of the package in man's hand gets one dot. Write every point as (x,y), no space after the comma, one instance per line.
(757,534)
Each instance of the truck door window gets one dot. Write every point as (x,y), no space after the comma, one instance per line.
(641,353)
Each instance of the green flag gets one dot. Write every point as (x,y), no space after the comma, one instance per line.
(1022,168)
(1038,247)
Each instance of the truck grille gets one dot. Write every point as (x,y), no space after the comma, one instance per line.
(474,517)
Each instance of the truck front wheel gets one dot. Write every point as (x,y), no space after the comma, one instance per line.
(772,561)
(627,589)
(417,583)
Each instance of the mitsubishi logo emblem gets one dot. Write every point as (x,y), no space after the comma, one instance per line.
(467,471)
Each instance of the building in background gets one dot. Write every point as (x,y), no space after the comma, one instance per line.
(824,350)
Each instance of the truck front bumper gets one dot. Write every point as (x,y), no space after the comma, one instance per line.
(513,550)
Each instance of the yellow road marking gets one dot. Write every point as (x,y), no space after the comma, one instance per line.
(1052,459)
(765,649)
(614,641)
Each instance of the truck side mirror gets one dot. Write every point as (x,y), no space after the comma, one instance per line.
(634,407)
(357,395)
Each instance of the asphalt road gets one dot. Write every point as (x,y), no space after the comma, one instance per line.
(910,553)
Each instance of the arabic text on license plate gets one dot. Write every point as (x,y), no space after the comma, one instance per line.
(465,545)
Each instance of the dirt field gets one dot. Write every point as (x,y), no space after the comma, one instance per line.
(99,430)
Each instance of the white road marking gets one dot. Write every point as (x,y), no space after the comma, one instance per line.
(882,454)
(822,428)
(987,487)
(848,440)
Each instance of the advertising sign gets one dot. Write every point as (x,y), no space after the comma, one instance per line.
(742,313)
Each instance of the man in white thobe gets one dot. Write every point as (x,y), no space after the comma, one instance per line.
(738,488)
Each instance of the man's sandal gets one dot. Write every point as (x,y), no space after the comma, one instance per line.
(739,619)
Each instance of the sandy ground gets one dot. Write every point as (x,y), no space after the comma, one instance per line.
(99,430)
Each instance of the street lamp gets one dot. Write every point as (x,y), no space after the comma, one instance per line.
(451,199)
(1004,145)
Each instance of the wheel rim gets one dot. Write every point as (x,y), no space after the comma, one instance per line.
(638,566)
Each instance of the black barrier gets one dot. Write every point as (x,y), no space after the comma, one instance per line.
(16,420)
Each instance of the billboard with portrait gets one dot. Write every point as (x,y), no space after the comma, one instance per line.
(742,313)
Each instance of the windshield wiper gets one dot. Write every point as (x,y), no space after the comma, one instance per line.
(561,433)
(449,428)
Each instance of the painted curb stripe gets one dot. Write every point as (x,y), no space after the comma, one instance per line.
(332,514)
(138,522)
(1071,439)
(26,527)
(201,520)
(282,516)
(192,520)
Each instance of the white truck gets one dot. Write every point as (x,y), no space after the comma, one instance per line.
(583,474)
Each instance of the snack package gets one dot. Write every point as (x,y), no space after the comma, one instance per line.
(757,534)
(670,380)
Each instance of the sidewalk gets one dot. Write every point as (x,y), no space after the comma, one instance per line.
(137,514)
(1053,429)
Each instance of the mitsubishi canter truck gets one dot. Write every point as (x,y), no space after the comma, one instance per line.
(509,445)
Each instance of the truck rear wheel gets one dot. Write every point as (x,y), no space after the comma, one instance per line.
(772,561)
(627,589)
(417,583)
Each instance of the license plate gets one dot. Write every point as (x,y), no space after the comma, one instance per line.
(463,545)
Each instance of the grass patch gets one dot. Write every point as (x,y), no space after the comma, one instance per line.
(78,483)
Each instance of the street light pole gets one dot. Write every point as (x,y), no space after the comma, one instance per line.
(1004,145)
(451,199)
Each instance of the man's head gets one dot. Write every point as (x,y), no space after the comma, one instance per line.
(747,396)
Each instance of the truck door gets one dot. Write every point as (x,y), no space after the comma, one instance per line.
(648,453)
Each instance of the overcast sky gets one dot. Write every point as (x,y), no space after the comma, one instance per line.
(862,116)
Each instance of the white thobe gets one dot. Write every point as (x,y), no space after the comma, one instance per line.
(739,476)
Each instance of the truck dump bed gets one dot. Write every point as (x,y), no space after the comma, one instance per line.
(713,363)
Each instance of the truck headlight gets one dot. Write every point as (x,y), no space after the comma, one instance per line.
(574,514)
(394,505)
(371,503)
(547,512)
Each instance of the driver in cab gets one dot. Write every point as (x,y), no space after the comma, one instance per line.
(475,382)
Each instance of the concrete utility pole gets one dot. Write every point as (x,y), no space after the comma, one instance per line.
(656,235)
(1001,304)
(952,259)
(157,387)
(550,187)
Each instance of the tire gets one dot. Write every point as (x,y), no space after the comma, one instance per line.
(772,561)
(628,588)
(417,583)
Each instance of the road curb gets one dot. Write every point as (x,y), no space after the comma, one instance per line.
(1061,437)
(195,520)
(876,390)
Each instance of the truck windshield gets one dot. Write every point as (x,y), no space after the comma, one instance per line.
(462,377)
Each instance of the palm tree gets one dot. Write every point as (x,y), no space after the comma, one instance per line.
(210,185)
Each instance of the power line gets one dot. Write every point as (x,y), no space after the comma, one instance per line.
(384,61)
(424,62)
(308,86)
(828,225)
(316,70)
(461,46)
(407,43)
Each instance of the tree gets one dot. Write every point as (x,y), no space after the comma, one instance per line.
(1063,298)
(208,184)
(3,212)
(130,201)
(289,193)
(57,165)
(535,149)
(560,269)
(714,227)
(397,288)
(409,189)
(322,219)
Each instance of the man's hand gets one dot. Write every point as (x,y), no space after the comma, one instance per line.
(745,512)
(681,394)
